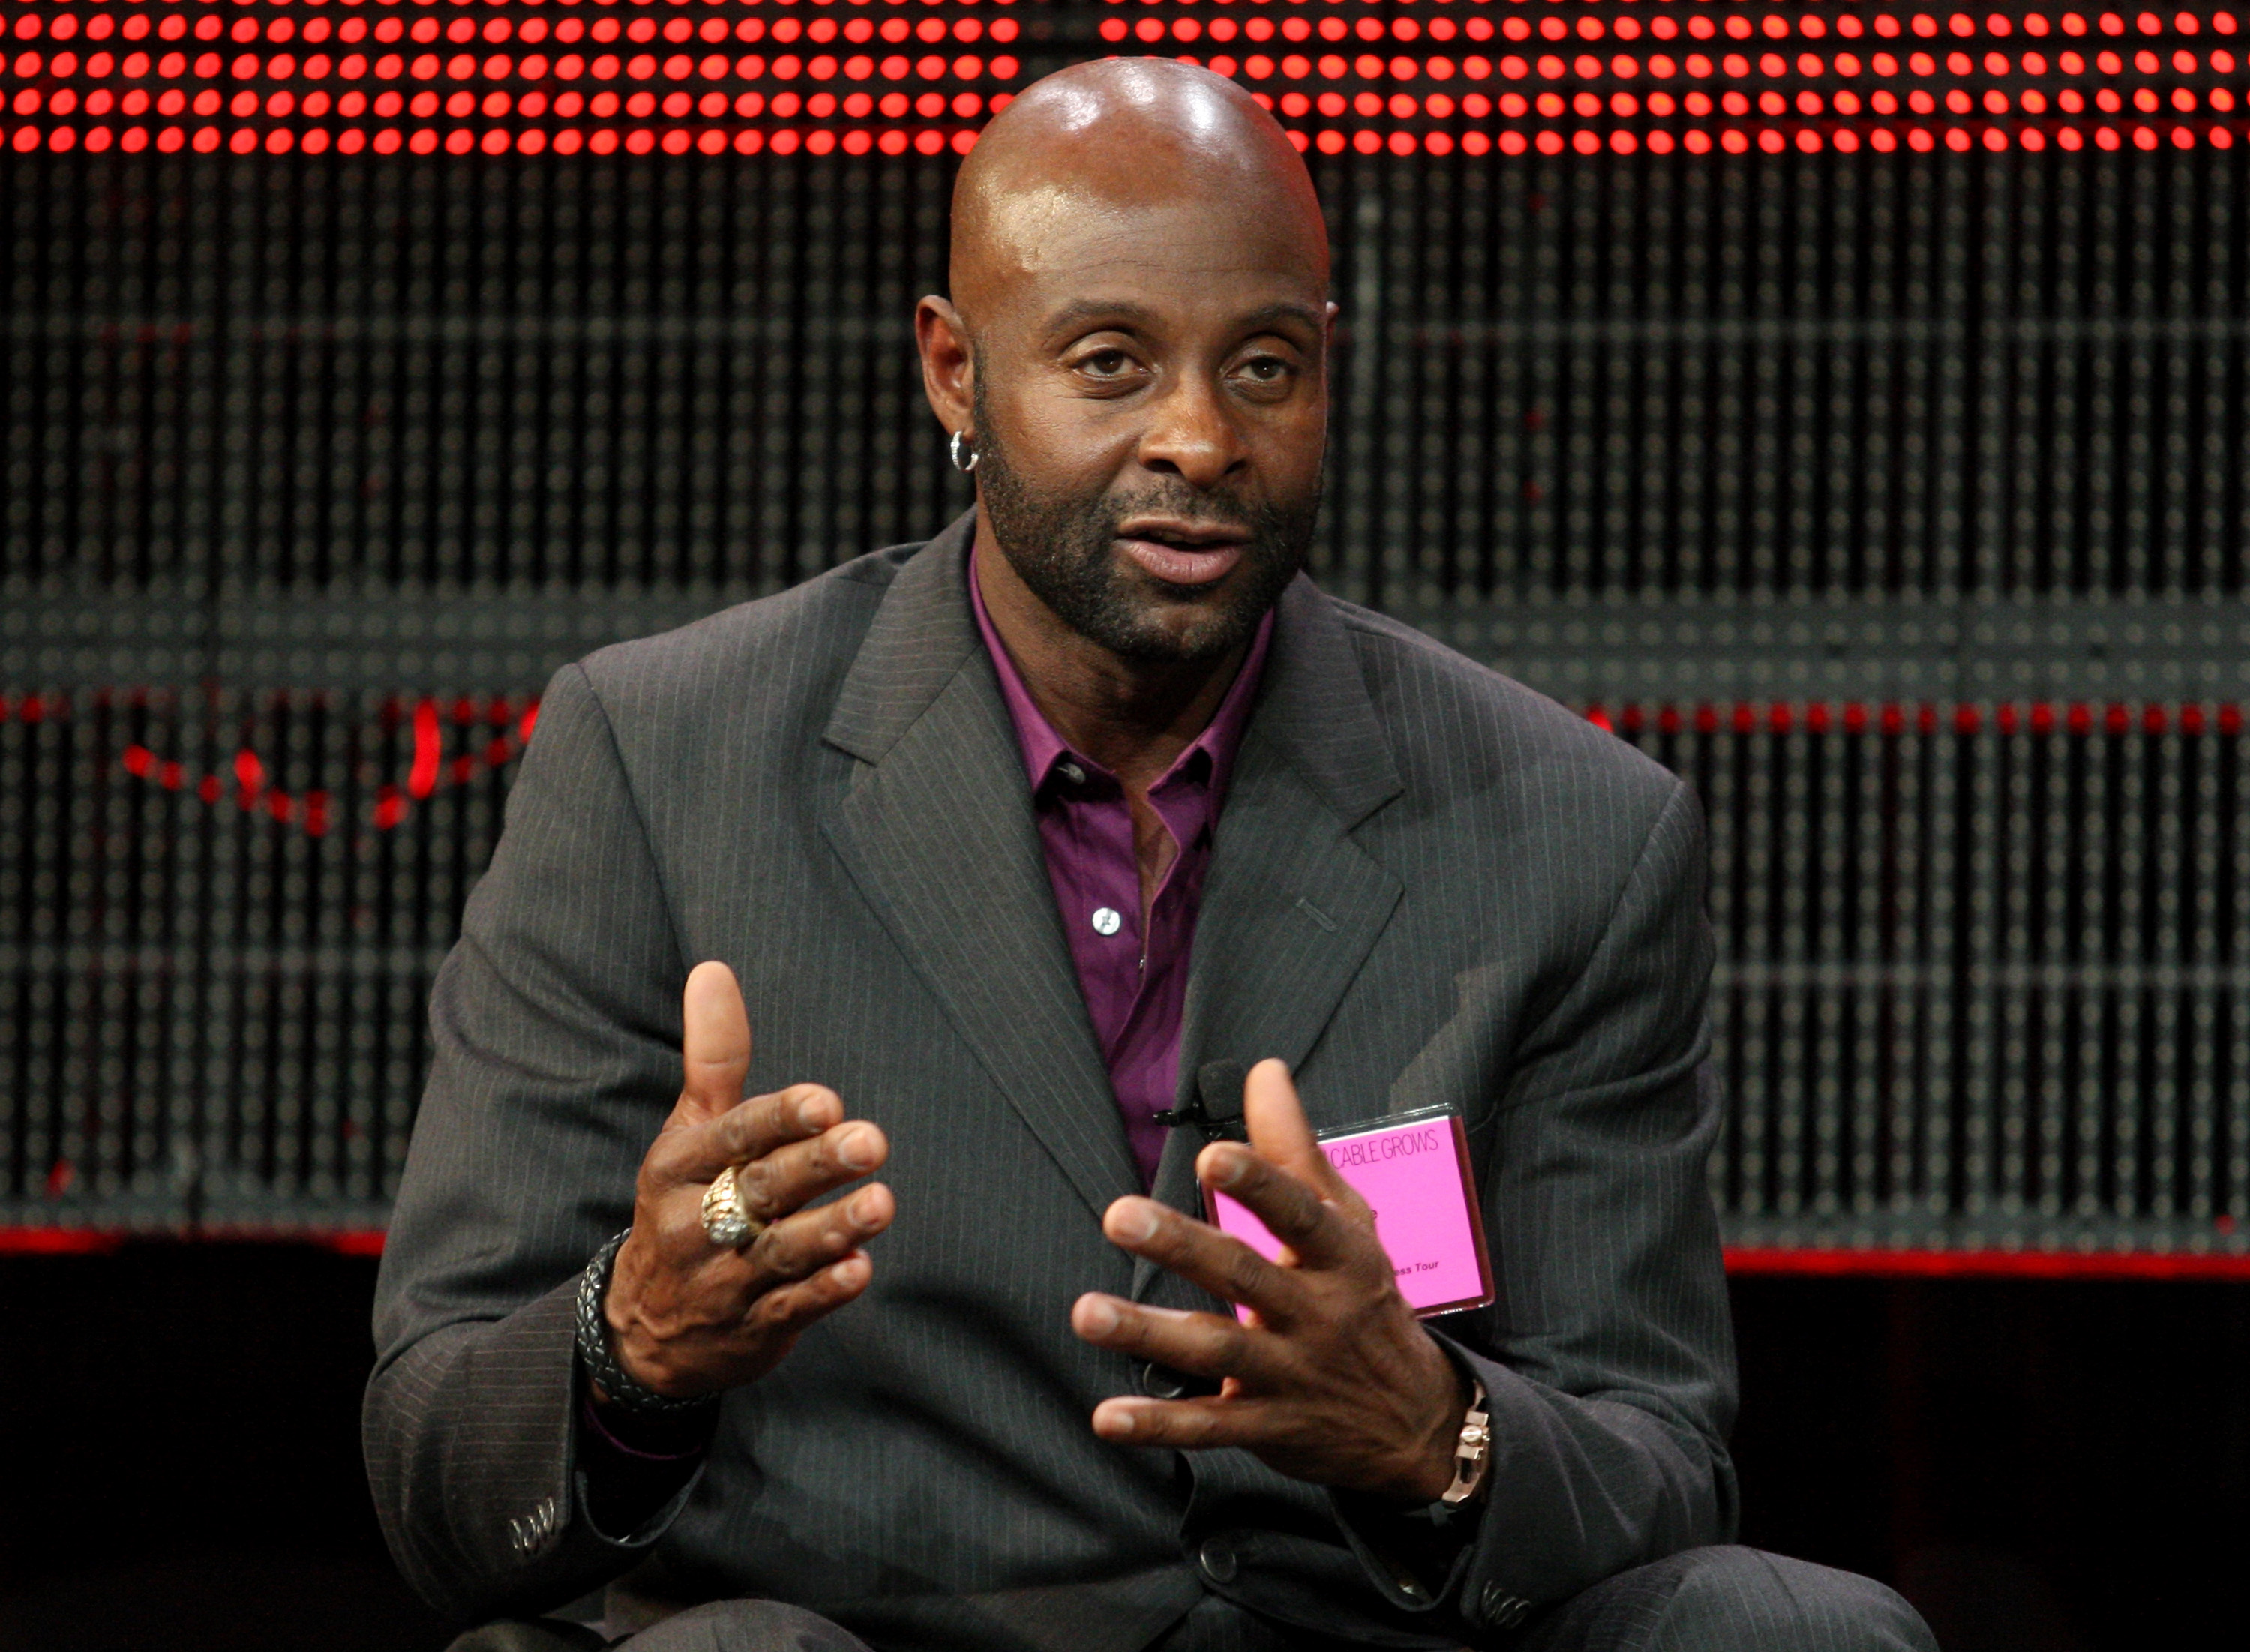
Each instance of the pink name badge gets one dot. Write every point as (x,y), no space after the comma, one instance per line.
(1413,1171)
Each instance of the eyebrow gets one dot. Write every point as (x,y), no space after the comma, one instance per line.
(1074,317)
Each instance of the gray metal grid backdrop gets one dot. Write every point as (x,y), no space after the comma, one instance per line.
(330,461)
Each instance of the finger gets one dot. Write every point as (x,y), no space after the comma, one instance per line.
(715,1044)
(791,1308)
(800,1246)
(1201,1254)
(698,1149)
(1279,1131)
(791,1176)
(1315,1227)
(1209,1345)
(1186,1425)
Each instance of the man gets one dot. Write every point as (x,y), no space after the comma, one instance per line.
(974,858)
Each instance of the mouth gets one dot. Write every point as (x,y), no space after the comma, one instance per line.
(1183,553)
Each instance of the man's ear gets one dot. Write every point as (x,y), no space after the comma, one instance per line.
(948,366)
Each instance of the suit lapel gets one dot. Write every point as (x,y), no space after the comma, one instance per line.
(936,829)
(1293,905)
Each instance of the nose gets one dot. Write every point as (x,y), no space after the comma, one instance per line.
(1193,436)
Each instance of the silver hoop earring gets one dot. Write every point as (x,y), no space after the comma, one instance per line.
(973,454)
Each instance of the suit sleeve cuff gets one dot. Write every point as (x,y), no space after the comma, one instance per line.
(1415,1556)
(632,1476)
(1485,1598)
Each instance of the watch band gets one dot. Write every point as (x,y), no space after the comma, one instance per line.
(619,1386)
(1473,1456)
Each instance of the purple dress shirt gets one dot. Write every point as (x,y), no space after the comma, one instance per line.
(1132,970)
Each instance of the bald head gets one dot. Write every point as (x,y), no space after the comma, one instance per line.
(1114,147)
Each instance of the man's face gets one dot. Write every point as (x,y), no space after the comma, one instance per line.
(1150,413)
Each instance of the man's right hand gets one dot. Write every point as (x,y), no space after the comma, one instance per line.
(687,1316)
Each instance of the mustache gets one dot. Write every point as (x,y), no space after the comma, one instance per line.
(1209,506)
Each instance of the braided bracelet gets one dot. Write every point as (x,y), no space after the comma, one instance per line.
(619,1386)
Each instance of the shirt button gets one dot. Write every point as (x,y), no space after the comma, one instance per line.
(1105,921)
(1073,774)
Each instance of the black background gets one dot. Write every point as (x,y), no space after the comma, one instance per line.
(2049,1466)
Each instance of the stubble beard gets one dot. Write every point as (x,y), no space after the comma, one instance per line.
(1064,549)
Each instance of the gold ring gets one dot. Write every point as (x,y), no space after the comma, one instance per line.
(725,1221)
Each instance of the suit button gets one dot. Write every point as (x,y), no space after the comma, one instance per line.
(1501,1609)
(1218,1559)
(1162,1382)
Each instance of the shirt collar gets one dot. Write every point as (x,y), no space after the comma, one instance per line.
(1213,751)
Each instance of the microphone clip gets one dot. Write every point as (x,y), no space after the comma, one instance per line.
(1216,1107)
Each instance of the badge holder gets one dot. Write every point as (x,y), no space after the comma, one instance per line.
(1413,1170)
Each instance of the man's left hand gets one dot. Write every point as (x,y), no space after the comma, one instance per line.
(1334,1381)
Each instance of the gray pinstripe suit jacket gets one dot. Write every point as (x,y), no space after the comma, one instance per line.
(1429,885)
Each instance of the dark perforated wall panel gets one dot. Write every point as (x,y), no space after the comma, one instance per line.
(1846,403)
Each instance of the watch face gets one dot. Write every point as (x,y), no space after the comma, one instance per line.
(1473,1454)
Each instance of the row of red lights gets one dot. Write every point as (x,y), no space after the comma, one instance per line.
(1152,31)
(1805,23)
(1149,31)
(967,106)
(640,104)
(929,140)
(931,105)
(603,105)
(428,770)
(854,141)
(534,31)
(173,65)
(1741,717)
(1993,1265)
(1770,65)
(102,1241)
(248,782)
(1854,717)
(356,65)
(210,28)
(385,105)
(173,101)
(568,105)
(1740,1260)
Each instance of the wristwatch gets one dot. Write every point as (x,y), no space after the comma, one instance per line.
(1473,1454)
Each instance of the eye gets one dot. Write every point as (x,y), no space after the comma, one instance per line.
(1265,375)
(1105,364)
